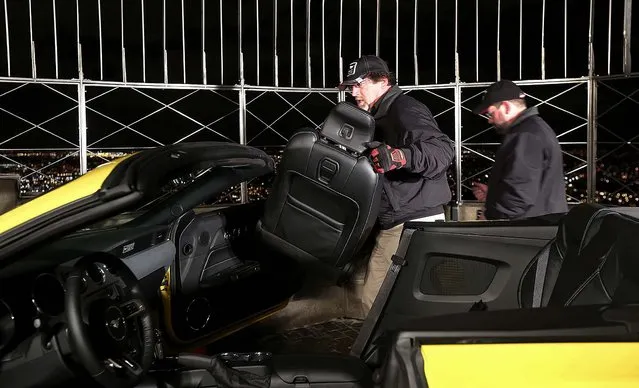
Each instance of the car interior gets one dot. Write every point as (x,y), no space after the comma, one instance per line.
(123,301)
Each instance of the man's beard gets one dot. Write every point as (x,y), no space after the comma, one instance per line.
(502,129)
(362,105)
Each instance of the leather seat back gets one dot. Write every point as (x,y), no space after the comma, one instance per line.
(325,198)
(606,268)
(575,230)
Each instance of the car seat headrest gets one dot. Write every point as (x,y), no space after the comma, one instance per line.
(349,126)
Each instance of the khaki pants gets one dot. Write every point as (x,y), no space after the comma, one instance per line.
(386,244)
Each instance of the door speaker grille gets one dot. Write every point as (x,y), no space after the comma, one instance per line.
(456,276)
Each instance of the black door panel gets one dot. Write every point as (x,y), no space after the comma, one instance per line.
(223,277)
(447,273)
(449,267)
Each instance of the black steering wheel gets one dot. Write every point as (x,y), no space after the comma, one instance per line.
(110,325)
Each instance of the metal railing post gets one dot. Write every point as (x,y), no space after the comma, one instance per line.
(82,108)
(242,112)
(627,24)
(82,127)
(591,142)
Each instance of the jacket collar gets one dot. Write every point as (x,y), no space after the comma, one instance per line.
(380,108)
(527,113)
(532,111)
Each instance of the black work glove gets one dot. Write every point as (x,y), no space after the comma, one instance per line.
(385,158)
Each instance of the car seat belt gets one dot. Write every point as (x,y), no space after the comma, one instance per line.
(540,276)
(397,262)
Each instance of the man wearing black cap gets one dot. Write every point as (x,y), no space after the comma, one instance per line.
(411,152)
(527,179)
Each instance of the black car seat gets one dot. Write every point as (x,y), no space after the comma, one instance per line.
(591,260)
(574,231)
(606,270)
(325,198)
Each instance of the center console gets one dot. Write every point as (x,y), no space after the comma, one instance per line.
(261,369)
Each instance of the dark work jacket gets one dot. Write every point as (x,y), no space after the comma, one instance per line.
(527,179)
(420,188)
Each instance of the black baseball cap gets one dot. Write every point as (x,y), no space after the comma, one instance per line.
(503,90)
(365,65)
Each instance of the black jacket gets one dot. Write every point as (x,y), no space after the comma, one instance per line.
(420,188)
(527,179)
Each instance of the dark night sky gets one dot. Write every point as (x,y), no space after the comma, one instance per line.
(43,36)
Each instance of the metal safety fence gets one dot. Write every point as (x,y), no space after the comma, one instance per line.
(83,82)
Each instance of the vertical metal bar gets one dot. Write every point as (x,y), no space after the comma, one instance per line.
(143,43)
(591,58)
(521,27)
(565,38)
(82,120)
(324,45)
(33,57)
(591,143)
(184,45)
(456,59)
(591,158)
(543,39)
(257,40)
(82,127)
(436,41)
(377,31)
(308,43)
(292,41)
(6,32)
(203,22)
(397,40)
(240,36)
(275,57)
(458,118)
(498,33)
(477,40)
(222,46)
(458,110)
(458,124)
(627,24)
(415,45)
(166,59)
(242,113)
(123,51)
(609,31)
(458,145)
(359,29)
(99,39)
(276,74)
(77,37)
(341,31)
(55,40)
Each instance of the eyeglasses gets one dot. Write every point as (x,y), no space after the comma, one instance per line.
(359,82)
(490,114)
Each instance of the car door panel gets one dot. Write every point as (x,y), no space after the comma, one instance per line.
(222,278)
(454,267)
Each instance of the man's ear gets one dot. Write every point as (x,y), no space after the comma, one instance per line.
(509,107)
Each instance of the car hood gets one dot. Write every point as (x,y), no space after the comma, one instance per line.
(125,184)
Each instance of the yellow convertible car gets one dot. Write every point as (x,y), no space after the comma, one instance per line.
(111,279)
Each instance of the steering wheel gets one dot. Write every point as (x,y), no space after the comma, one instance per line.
(112,331)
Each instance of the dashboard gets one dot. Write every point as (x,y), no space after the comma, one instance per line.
(211,252)
(32,290)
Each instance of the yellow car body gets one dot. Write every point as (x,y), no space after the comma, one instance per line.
(531,365)
(84,186)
